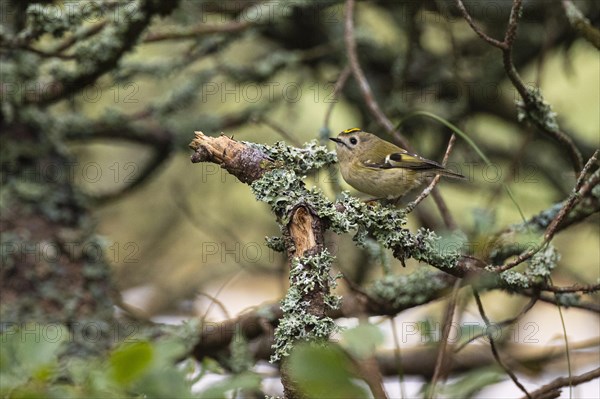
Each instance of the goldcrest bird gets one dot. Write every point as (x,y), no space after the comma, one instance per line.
(379,168)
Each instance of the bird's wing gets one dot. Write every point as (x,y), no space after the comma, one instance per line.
(404,160)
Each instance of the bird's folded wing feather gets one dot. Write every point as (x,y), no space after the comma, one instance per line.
(403,160)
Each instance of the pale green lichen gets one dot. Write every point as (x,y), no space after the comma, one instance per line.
(282,189)
(308,274)
(567,299)
(536,110)
(416,288)
(542,263)
(514,279)
(377,253)
(275,243)
(302,160)
(538,270)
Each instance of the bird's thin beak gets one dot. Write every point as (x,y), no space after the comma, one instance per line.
(335,139)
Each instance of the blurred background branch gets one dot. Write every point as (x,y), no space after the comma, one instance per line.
(99,205)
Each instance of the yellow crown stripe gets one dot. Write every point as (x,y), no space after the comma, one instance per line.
(351,130)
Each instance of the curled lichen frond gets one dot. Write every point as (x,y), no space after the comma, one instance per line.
(276,243)
(567,299)
(301,160)
(536,110)
(308,274)
(538,270)
(514,279)
(417,288)
(384,224)
(541,264)
(311,272)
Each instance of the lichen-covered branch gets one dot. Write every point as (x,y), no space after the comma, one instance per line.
(283,190)
(532,107)
(581,24)
(308,311)
(245,163)
(308,298)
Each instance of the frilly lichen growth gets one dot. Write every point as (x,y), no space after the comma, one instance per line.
(414,289)
(538,269)
(384,224)
(567,299)
(308,274)
(282,189)
(301,160)
(514,279)
(276,243)
(541,264)
(535,109)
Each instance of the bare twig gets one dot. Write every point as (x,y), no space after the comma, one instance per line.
(277,128)
(581,24)
(435,180)
(339,85)
(551,390)
(398,358)
(477,29)
(440,364)
(503,323)
(581,189)
(196,31)
(444,211)
(590,306)
(359,75)
(573,288)
(528,99)
(493,346)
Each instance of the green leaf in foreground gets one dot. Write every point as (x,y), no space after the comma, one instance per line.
(130,361)
(323,371)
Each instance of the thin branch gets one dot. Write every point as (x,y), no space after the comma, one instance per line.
(84,33)
(573,288)
(359,75)
(477,29)
(444,211)
(440,364)
(435,180)
(528,99)
(41,53)
(503,323)
(277,128)
(578,194)
(398,358)
(551,390)
(509,38)
(581,24)
(586,169)
(339,85)
(196,31)
(493,346)
(590,306)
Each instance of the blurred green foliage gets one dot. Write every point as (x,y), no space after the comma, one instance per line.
(34,366)
(324,372)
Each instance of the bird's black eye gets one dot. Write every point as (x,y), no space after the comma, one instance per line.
(353,141)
